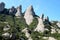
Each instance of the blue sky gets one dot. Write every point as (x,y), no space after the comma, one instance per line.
(50,8)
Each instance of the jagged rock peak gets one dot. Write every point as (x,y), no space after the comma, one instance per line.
(30,10)
(47,18)
(12,10)
(19,11)
(29,15)
(40,26)
(2,6)
(42,16)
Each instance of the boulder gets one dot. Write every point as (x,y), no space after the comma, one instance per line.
(58,24)
(27,34)
(6,28)
(29,15)
(7,35)
(42,16)
(53,31)
(51,38)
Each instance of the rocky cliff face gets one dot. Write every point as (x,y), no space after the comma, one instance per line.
(13,28)
(29,15)
(12,10)
(19,11)
(40,26)
(2,6)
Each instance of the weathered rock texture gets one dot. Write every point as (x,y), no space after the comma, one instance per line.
(2,6)
(51,38)
(19,11)
(29,15)
(40,26)
(27,34)
(12,10)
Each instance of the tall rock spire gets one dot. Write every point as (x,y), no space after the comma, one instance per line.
(47,18)
(29,15)
(40,26)
(42,16)
(2,6)
(19,11)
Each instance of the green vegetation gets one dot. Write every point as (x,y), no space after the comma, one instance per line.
(18,24)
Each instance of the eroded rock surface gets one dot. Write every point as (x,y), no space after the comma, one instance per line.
(2,6)
(29,15)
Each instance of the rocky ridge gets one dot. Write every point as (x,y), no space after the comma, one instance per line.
(12,27)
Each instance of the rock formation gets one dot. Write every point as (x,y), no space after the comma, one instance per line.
(2,6)
(27,34)
(6,28)
(40,26)
(53,31)
(47,18)
(19,11)
(12,10)
(51,38)
(29,15)
(7,35)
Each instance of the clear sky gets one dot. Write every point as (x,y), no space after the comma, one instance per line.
(50,8)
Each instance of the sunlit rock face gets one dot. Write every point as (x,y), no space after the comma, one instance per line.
(19,11)
(53,31)
(2,6)
(42,16)
(29,15)
(51,38)
(12,10)
(7,35)
(40,26)
(58,24)
(6,28)
(27,34)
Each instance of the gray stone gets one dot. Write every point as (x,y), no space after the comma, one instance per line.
(29,15)
(40,26)
(12,10)
(27,34)
(58,24)
(2,6)
(42,16)
(7,35)
(19,11)
(6,28)
(51,38)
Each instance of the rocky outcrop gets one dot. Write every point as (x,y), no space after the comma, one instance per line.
(40,26)
(12,10)
(58,24)
(53,31)
(2,6)
(42,16)
(29,15)
(19,11)
(6,28)
(27,34)
(46,19)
